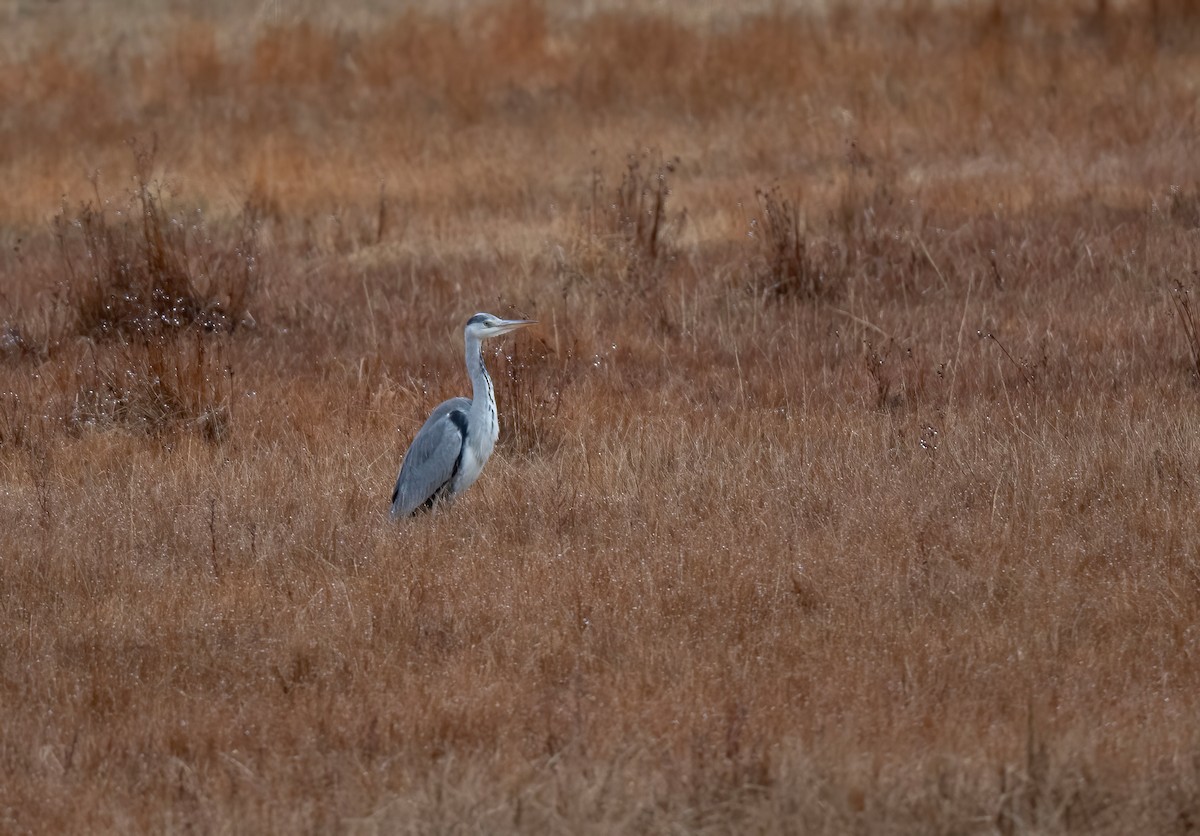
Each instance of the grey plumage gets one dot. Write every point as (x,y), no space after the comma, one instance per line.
(433,460)
(449,451)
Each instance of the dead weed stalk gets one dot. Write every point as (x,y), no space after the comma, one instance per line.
(1181,297)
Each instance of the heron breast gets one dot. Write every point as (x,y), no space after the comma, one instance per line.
(470,467)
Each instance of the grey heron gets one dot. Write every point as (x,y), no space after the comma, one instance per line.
(449,451)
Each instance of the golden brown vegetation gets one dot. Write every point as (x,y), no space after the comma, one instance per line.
(849,483)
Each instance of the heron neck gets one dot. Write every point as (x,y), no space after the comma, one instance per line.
(483,397)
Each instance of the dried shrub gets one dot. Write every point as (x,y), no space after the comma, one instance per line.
(638,214)
(626,233)
(145,270)
(863,237)
(783,265)
(531,388)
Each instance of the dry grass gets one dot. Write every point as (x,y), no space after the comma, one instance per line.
(868,511)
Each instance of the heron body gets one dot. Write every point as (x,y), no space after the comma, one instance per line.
(449,451)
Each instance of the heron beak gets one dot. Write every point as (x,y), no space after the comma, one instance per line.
(507,325)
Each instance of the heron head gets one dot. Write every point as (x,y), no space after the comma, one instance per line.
(484,325)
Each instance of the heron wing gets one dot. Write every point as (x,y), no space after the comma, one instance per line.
(433,459)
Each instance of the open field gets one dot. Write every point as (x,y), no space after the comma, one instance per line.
(849,484)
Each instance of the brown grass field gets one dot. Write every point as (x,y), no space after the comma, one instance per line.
(848,485)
